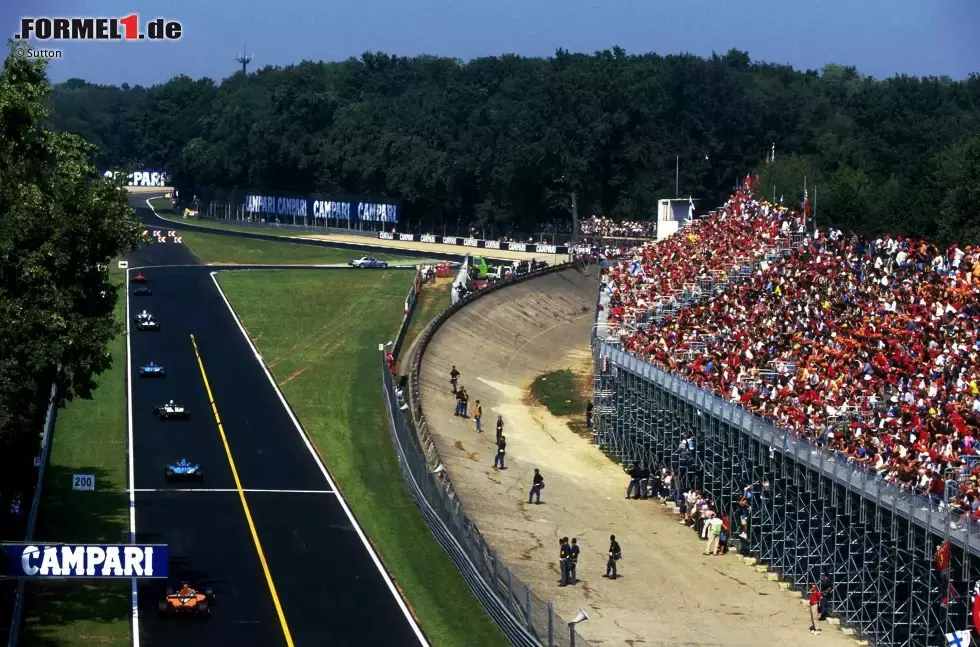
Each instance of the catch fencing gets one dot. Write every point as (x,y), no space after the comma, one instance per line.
(526,620)
(49,418)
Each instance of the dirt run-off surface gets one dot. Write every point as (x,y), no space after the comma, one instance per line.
(669,593)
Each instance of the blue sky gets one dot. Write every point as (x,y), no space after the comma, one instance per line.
(879,37)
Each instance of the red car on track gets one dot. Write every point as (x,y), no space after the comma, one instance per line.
(186,601)
(139,278)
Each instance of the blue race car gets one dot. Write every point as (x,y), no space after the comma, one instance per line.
(152,370)
(142,291)
(183,470)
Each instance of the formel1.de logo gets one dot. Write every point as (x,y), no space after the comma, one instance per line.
(125,28)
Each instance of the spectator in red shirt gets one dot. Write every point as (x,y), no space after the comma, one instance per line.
(815,597)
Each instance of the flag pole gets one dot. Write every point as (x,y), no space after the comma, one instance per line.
(814,209)
(677,177)
(805,198)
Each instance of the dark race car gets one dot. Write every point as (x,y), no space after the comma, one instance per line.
(183,470)
(142,291)
(171,411)
(139,278)
(186,601)
(152,370)
(148,324)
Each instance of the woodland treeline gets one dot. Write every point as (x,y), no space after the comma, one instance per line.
(502,141)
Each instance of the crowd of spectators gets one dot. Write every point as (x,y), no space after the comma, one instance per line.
(600,227)
(867,347)
(588,252)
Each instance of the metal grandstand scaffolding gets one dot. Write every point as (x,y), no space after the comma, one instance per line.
(811,513)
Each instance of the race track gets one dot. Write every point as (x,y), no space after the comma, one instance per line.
(330,587)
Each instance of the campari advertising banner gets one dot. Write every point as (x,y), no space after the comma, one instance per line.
(77,561)
(145,177)
(319,210)
(534,248)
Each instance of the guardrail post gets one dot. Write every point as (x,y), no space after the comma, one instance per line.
(551,624)
(510,589)
(493,561)
(527,602)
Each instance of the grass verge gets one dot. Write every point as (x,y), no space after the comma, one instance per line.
(435,298)
(230,250)
(564,394)
(89,438)
(350,430)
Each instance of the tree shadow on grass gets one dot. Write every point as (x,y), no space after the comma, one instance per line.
(66,612)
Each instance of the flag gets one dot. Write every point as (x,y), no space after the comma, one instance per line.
(748,181)
(958,639)
(690,208)
(755,183)
(767,159)
(976,605)
(942,556)
(806,212)
(773,153)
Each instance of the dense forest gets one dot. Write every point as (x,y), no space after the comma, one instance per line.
(503,141)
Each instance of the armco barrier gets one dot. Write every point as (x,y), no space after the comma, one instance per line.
(49,419)
(523,617)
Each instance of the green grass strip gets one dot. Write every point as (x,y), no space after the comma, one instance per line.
(89,438)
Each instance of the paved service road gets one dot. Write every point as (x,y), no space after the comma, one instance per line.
(264,529)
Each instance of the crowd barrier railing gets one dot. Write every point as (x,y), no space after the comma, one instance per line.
(523,617)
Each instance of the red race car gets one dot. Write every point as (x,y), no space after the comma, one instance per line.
(139,278)
(186,601)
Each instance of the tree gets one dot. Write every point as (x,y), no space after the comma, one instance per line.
(956,183)
(60,226)
(500,142)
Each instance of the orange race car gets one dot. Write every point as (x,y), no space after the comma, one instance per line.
(186,601)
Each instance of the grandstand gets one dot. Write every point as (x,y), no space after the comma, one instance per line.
(834,377)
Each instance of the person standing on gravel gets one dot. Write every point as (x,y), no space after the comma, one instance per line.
(477,415)
(454,378)
(498,460)
(537,484)
(615,554)
(815,598)
(573,562)
(564,556)
(459,402)
(500,427)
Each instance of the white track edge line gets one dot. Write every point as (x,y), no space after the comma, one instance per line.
(229,490)
(326,475)
(132,475)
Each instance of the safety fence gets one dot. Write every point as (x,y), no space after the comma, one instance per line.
(49,418)
(522,616)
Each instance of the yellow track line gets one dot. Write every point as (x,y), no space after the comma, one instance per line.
(241,495)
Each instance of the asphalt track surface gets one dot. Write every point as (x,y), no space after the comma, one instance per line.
(330,589)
